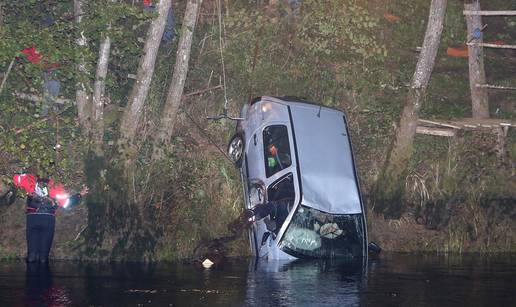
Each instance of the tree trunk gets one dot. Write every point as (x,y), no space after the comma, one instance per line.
(98,95)
(477,74)
(175,91)
(401,152)
(133,111)
(82,88)
(1,16)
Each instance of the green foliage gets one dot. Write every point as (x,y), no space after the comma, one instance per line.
(320,54)
(333,27)
(27,24)
(52,145)
(7,255)
(45,147)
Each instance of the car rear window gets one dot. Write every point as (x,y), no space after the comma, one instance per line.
(276,147)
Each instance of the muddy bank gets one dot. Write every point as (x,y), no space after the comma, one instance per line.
(456,227)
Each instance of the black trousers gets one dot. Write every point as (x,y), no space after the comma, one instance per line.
(40,233)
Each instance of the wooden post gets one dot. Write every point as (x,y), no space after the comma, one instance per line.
(500,144)
(477,74)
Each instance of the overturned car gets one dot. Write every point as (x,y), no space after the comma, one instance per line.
(297,169)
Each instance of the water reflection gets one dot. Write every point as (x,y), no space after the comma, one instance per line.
(392,280)
(40,289)
(305,283)
(441,280)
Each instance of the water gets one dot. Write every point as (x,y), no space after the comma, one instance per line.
(392,280)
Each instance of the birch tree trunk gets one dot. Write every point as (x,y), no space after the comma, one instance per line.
(81,93)
(477,74)
(1,16)
(175,91)
(133,111)
(391,186)
(98,95)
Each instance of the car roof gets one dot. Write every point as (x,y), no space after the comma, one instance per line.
(293,101)
(325,160)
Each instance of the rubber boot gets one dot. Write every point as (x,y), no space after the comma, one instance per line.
(32,257)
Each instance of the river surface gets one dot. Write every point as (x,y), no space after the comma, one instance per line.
(391,280)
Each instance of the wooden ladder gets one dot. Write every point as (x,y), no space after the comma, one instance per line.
(478,86)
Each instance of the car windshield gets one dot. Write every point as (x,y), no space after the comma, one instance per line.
(313,233)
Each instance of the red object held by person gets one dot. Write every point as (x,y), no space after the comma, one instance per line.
(29,182)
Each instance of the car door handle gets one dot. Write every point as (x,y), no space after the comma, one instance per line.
(254,140)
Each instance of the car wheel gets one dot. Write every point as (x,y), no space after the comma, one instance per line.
(236,149)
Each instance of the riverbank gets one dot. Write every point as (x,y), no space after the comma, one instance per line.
(458,195)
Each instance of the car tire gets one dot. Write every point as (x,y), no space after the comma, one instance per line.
(236,149)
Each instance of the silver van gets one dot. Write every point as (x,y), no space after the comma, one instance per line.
(297,155)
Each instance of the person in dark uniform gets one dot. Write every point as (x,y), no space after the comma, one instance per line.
(276,210)
(44,198)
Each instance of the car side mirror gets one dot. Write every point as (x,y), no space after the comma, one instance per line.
(257,193)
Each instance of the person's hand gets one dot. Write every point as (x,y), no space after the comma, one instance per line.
(85,190)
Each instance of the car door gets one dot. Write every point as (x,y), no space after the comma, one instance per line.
(254,169)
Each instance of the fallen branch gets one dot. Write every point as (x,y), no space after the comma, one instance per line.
(448,132)
(203,91)
(142,291)
(426,121)
(36,98)
(6,75)
(80,233)
(498,87)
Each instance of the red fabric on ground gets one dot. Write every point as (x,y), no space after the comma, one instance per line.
(31,54)
(391,18)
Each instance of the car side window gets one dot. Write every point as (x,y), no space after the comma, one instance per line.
(283,188)
(276,148)
(281,195)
